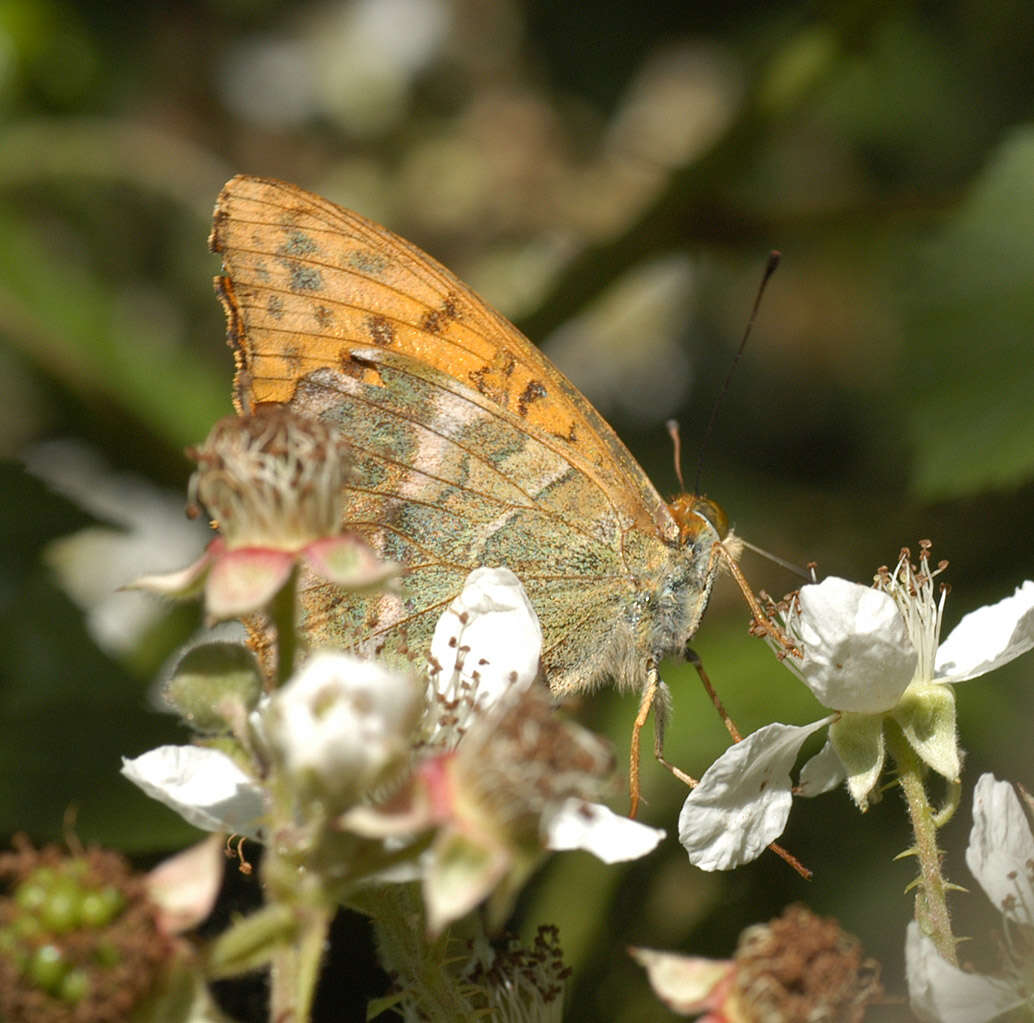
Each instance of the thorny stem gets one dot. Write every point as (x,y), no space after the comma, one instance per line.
(931,904)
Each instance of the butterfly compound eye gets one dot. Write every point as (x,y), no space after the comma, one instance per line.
(691,512)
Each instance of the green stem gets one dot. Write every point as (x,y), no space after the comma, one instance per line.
(420,964)
(294,969)
(285,623)
(931,905)
(295,963)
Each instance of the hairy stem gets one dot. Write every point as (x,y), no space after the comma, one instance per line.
(931,905)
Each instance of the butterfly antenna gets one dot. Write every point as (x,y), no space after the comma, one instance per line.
(775,559)
(676,440)
(770,268)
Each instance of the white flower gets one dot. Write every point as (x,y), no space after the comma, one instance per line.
(503,779)
(591,827)
(1001,858)
(869,655)
(341,725)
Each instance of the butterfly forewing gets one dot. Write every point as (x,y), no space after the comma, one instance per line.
(470,447)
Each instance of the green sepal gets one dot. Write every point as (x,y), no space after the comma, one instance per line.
(926,714)
(858,741)
(214,687)
(252,941)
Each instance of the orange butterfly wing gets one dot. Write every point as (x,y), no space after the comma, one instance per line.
(474,448)
(307,282)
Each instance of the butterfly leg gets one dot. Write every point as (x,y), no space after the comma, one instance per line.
(646,702)
(656,697)
(662,709)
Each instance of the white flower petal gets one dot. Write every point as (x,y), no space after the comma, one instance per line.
(942,993)
(491,634)
(576,824)
(458,875)
(205,787)
(857,654)
(185,886)
(823,772)
(989,637)
(743,799)
(1001,849)
(686,984)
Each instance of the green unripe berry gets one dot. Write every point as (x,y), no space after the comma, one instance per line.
(47,968)
(99,908)
(74,987)
(31,895)
(106,954)
(27,927)
(62,910)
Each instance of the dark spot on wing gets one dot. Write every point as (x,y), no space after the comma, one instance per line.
(493,378)
(436,320)
(432,321)
(292,356)
(275,307)
(532,392)
(303,278)
(368,262)
(324,317)
(297,243)
(381,331)
(353,365)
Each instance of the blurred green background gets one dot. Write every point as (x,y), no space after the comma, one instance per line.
(612,179)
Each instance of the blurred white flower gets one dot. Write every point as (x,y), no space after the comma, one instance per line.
(145,530)
(341,726)
(486,646)
(506,778)
(1000,856)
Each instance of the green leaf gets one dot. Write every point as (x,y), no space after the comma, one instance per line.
(65,321)
(969,320)
(251,942)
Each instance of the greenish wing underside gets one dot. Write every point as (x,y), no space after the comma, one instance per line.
(444,482)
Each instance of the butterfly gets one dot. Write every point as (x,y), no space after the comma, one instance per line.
(470,448)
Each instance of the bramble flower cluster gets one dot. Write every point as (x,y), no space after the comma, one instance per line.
(359,777)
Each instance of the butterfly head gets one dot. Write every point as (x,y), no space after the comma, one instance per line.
(694,514)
